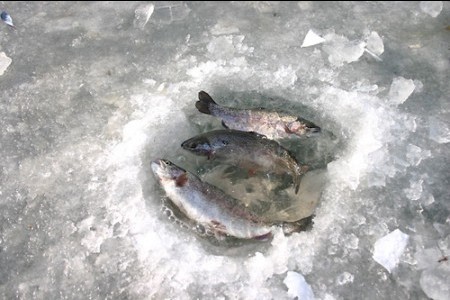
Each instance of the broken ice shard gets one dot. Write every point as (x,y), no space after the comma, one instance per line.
(7,19)
(312,39)
(389,248)
(297,286)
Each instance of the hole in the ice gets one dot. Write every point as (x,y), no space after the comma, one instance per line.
(271,196)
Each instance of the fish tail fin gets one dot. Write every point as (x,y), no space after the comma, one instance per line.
(204,103)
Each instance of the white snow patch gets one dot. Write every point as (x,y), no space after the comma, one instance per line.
(297,286)
(312,39)
(389,248)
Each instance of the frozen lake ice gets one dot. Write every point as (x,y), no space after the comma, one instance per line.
(91,93)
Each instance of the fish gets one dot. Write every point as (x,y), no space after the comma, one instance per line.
(272,124)
(207,205)
(247,150)
(7,19)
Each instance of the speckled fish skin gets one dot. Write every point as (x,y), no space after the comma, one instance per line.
(274,125)
(208,205)
(247,150)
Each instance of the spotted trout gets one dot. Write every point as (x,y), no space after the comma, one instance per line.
(248,150)
(274,125)
(208,205)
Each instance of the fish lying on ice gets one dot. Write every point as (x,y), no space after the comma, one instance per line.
(274,125)
(208,205)
(247,150)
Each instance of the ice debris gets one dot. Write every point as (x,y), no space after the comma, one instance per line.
(166,12)
(297,286)
(312,39)
(340,50)
(439,131)
(435,282)
(7,19)
(5,61)
(401,89)
(142,14)
(389,248)
(374,45)
(432,8)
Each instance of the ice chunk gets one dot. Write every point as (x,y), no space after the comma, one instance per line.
(312,39)
(166,12)
(142,15)
(401,89)
(415,154)
(389,248)
(375,43)
(415,190)
(7,19)
(297,286)
(435,282)
(344,278)
(224,27)
(340,50)
(432,8)
(439,131)
(5,61)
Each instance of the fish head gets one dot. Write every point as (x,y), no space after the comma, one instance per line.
(166,171)
(199,145)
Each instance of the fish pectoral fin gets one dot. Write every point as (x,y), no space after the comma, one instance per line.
(263,237)
(224,125)
(181,180)
(216,225)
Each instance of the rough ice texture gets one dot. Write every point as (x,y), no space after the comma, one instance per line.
(388,249)
(432,8)
(5,61)
(401,89)
(312,39)
(297,286)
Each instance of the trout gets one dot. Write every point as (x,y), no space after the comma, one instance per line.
(248,150)
(274,125)
(208,205)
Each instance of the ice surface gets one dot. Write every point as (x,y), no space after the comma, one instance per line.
(388,249)
(401,89)
(97,90)
(312,39)
(432,8)
(5,61)
(297,286)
